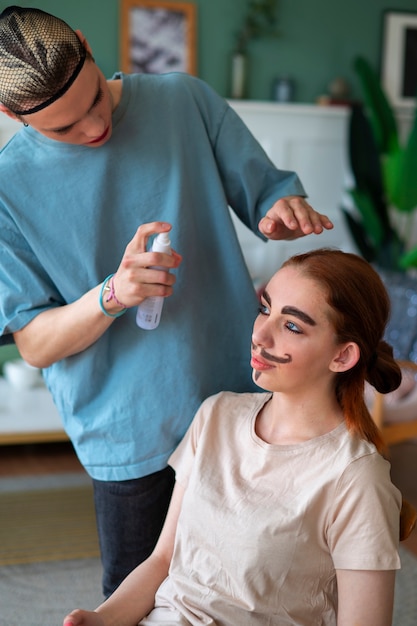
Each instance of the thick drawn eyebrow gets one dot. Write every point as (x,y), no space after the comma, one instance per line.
(65,128)
(291,310)
(304,317)
(266,296)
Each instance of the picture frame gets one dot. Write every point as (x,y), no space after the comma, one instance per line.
(399,57)
(158,37)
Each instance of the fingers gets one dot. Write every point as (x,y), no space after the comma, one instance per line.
(143,274)
(140,239)
(74,619)
(135,284)
(136,255)
(293,217)
(80,617)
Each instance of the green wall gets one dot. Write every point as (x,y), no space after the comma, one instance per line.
(8,353)
(318,39)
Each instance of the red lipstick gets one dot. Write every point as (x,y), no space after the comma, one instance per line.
(103,136)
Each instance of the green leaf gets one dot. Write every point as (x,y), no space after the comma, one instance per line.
(409,259)
(370,218)
(392,169)
(381,115)
(400,175)
(401,181)
(359,236)
(260,21)
(365,162)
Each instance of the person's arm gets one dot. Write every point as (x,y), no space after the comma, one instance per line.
(365,598)
(135,597)
(293,217)
(60,332)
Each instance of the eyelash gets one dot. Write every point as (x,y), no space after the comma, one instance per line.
(63,131)
(99,97)
(295,328)
(262,309)
(290,326)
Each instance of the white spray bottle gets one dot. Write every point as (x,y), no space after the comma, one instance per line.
(148,314)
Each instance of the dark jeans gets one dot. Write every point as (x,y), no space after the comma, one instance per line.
(130,515)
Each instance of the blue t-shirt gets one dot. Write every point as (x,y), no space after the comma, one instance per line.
(180,154)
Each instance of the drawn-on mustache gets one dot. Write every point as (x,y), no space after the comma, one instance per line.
(287,358)
(277,359)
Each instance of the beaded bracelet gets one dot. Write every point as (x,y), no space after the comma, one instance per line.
(112,296)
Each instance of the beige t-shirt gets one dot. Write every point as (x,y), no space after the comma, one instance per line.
(263,527)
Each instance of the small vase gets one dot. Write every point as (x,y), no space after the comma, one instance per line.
(239,76)
(283,90)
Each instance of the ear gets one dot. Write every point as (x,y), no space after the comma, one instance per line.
(9,113)
(347,356)
(84,41)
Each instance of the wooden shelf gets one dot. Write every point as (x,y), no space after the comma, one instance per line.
(53,436)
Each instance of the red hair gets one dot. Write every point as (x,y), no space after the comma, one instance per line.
(360,311)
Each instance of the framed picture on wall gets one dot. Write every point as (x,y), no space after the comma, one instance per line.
(158,37)
(399,57)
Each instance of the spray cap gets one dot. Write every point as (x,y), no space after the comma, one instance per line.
(163,239)
(162,243)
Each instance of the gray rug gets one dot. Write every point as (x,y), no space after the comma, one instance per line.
(41,594)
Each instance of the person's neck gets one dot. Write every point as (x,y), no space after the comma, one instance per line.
(288,421)
(115,88)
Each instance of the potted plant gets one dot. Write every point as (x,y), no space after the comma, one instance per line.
(260,21)
(385,175)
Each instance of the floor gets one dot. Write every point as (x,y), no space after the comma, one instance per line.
(59,458)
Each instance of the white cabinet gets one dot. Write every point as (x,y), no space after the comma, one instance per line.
(8,127)
(311,140)
(28,416)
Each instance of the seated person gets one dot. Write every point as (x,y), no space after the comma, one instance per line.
(283,510)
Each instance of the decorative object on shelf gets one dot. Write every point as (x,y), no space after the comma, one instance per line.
(339,88)
(385,177)
(338,93)
(158,36)
(283,89)
(239,71)
(260,21)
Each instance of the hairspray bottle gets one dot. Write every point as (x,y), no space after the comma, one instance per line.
(148,314)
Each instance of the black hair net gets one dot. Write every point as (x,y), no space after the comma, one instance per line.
(40,57)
